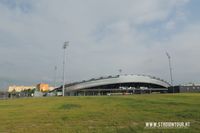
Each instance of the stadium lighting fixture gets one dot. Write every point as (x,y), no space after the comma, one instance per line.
(170,70)
(65,45)
(120,71)
(55,76)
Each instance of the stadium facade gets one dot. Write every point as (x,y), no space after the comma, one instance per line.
(120,84)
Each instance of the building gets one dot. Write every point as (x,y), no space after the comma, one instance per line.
(185,88)
(16,88)
(43,87)
(120,84)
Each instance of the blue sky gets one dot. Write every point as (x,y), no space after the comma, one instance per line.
(193,9)
(105,36)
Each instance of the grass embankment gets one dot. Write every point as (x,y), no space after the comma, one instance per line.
(99,114)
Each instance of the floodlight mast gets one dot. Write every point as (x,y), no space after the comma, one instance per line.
(66,44)
(170,70)
(55,76)
(120,71)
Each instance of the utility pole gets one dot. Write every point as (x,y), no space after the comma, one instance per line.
(64,58)
(120,71)
(170,70)
(55,76)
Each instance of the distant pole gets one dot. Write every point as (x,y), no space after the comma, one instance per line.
(55,76)
(170,70)
(120,71)
(64,58)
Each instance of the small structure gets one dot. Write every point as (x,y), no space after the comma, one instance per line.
(43,87)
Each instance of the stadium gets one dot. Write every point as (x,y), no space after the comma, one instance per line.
(114,85)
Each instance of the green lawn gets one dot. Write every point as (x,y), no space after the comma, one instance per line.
(104,114)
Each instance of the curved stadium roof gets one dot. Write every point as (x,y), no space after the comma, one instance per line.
(122,79)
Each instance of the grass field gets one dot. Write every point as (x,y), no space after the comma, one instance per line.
(107,114)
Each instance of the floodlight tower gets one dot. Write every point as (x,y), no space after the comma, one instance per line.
(170,70)
(55,76)
(65,45)
(120,71)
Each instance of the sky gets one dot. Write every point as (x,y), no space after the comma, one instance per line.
(104,36)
